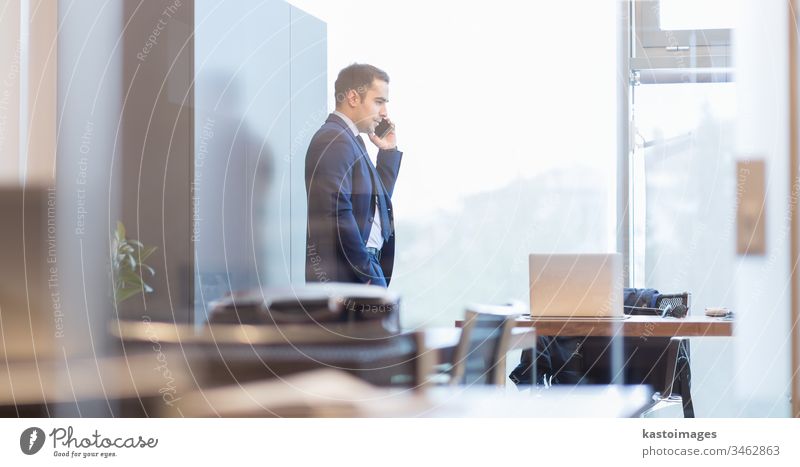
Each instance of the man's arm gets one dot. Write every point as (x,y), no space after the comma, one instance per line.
(331,186)
(389,167)
(388,162)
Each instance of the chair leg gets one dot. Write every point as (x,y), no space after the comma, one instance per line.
(686,397)
(684,376)
(679,376)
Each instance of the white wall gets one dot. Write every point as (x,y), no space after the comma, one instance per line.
(762,378)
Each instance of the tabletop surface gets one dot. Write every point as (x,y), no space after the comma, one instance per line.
(632,326)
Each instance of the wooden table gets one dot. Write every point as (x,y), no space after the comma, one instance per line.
(632,326)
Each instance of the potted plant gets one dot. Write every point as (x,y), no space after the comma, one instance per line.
(128,265)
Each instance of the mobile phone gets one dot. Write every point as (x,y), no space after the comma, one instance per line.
(383,128)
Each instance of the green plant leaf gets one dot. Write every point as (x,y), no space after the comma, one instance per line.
(121,230)
(128,267)
(131,278)
(126,293)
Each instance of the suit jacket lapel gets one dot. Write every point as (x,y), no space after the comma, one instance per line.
(378,190)
(335,118)
(376,179)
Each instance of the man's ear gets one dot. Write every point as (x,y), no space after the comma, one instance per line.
(353,99)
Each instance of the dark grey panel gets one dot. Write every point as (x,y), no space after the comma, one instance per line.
(156,159)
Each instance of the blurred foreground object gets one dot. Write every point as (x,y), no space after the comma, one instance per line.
(365,306)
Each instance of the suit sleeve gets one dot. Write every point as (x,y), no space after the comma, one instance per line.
(388,168)
(331,182)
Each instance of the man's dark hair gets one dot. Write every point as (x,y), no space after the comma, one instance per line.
(358,76)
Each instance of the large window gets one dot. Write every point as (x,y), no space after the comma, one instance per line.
(509,147)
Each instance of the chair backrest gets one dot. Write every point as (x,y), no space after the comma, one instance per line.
(485,337)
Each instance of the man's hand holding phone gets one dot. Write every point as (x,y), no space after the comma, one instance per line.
(389,138)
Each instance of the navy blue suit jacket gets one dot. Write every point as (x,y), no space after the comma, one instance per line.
(342,185)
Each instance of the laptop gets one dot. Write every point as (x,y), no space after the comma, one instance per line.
(583,286)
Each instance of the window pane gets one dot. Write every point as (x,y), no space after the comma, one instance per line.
(684,152)
(684,196)
(520,158)
(696,14)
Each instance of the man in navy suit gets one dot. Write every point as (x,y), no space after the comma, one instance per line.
(350,219)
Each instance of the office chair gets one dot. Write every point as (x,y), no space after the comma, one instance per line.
(480,357)
(677,374)
(646,357)
(677,387)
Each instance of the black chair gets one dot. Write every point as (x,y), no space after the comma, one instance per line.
(485,338)
(661,362)
(678,378)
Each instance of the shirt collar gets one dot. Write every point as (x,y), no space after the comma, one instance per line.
(347,120)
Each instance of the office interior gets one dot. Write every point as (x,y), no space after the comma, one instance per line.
(665,131)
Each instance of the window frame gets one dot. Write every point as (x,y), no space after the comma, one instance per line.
(643,58)
(654,48)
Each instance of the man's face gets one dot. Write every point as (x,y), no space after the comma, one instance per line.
(372,109)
